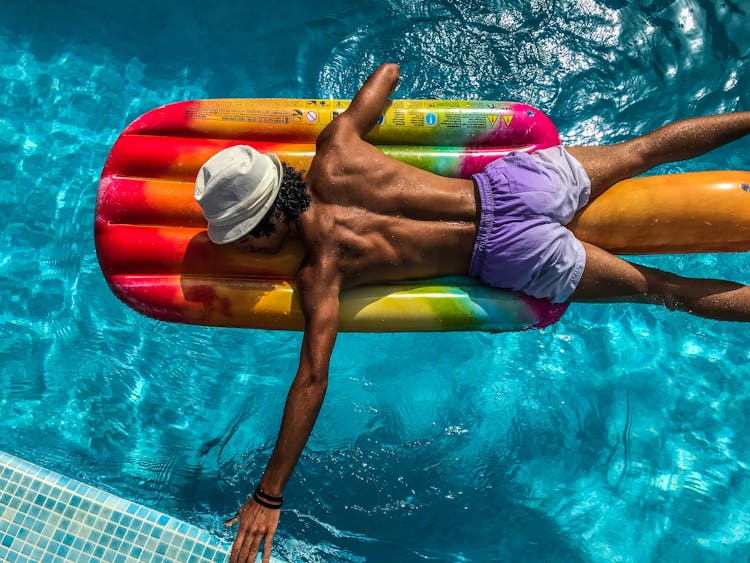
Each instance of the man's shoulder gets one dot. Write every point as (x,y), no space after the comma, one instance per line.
(315,227)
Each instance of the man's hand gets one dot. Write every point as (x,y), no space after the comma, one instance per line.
(257,524)
(372,99)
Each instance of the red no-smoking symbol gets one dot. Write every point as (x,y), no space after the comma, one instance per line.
(311,116)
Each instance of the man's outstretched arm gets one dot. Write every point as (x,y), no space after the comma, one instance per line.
(319,294)
(371,100)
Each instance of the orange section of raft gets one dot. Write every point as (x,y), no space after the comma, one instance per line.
(674,214)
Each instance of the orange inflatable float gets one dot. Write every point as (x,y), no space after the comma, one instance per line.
(156,257)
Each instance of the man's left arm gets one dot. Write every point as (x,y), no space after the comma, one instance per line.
(371,100)
(319,295)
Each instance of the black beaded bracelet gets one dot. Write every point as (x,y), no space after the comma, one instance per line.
(261,502)
(262,499)
(268,497)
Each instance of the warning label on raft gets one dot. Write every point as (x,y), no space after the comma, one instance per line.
(451,119)
(245,115)
(437,114)
(474,120)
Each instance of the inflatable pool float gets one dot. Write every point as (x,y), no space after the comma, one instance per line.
(156,257)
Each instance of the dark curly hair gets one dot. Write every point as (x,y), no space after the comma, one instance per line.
(291,202)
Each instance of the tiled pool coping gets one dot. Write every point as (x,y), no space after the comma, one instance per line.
(46,517)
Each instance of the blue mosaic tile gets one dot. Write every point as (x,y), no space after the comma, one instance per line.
(61,519)
(212,540)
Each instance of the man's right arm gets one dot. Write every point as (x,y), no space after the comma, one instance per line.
(319,295)
(371,100)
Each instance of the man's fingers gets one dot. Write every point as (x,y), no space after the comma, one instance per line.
(250,548)
(255,527)
(267,548)
(234,557)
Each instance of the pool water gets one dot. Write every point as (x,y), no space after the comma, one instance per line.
(620,433)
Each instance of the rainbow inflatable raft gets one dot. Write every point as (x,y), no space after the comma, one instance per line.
(156,257)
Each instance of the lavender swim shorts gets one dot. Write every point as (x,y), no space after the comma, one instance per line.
(522,243)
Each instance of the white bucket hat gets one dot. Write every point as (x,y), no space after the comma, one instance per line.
(235,188)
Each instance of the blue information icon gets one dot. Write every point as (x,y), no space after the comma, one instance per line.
(430,119)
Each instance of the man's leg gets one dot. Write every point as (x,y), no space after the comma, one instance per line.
(607,279)
(681,140)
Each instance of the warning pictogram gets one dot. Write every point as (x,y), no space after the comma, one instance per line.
(311,116)
(508,119)
(492,118)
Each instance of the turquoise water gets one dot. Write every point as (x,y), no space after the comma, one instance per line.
(618,434)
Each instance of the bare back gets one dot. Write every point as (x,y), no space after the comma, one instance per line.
(378,219)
